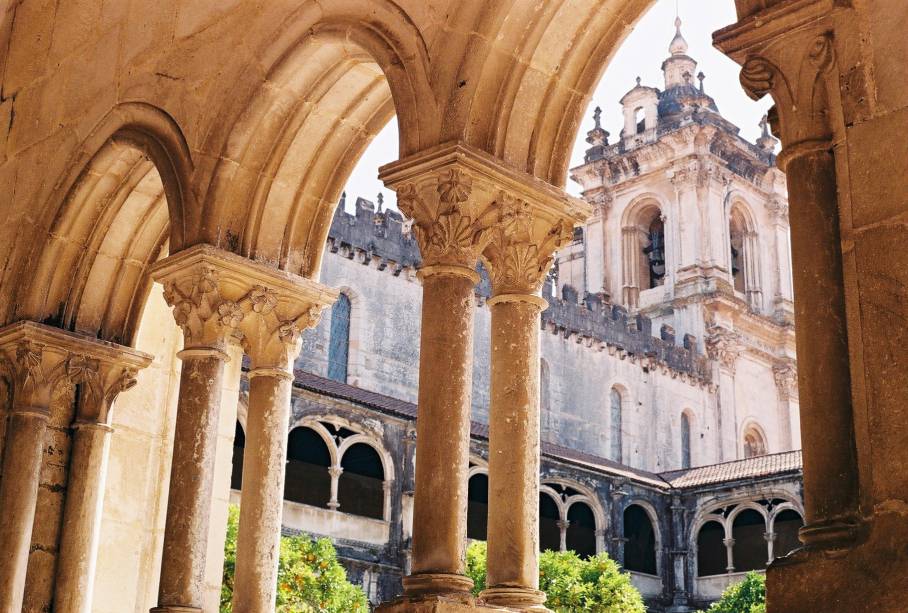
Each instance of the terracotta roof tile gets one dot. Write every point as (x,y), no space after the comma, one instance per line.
(760,466)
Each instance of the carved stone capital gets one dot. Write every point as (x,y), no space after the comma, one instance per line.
(789,52)
(39,360)
(778,209)
(723,346)
(786,377)
(456,194)
(522,245)
(218,296)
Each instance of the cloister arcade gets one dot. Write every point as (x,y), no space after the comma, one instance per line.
(194,153)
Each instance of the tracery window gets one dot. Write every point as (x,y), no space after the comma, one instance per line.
(307,479)
(712,557)
(640,541)
(360,488)
(581,530)
(339,339)
(615,402)
(750,549)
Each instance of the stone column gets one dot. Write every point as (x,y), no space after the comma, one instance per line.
(39,361)
(450,210)
(563,526)
(532,224)
(679,552)
(729,553)
(630,258)
(752,268)
(100,381)
(276,311)
(616,510)
(335,472)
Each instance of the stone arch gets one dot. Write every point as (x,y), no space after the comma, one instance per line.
(124,196)
(785,522)
(644,251)
(643,540)
(332,80)
(478,504)
(550,514)
(361,488)
(582,527)
(310,458)
(709,544)
(748,524)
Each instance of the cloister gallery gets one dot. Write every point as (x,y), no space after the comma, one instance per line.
(192,155)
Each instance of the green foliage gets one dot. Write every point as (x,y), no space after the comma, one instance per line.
(748,596)
(310,579)
(572,584)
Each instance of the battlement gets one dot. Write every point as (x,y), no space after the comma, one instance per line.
(382,238)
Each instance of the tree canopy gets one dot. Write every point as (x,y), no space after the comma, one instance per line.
(594,585)
(310,579)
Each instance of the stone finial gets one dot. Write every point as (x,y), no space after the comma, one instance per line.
(678,46)
(638,81)
(701,77)
(597,137)
(380,199)
(766,142)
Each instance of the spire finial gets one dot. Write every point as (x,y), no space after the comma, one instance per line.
(701,77)
(678,46)
(381,200)
(597,116)
(638,81)
(764,124)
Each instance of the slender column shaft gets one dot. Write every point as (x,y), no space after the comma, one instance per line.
(830,477)
(18,497)
(82,518)
(191,479)
(261,506)
(513,559)
(443,433)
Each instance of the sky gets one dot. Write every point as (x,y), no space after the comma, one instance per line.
(641,54)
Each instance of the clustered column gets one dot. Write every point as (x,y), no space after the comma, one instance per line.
(40,361)
(217,298)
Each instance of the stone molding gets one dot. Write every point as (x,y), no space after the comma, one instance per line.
(786,378)
(723,346)
(462,200)
(39,359)
(218,297)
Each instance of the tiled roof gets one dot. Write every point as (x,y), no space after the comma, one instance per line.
(751,468)
(761,466)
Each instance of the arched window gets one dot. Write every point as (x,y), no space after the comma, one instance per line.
(549,517)
(712,556)
(754,443)
(615,402)
(654,250)
(239,447)
(640,541)
(361,487)
(786,526)
(736,232)
(685,441)
(478,507)
(339,340)
(750,549)
(581,531)
(307,478)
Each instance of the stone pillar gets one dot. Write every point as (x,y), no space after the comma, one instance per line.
(335,472)
(39,361)
(752,269)
(277,309)
(532,224)
(786,377)
(100,382)
(770,538)
(456,196)
(616,509)
(563,526)
(729,553)
(679,552)
(630,259)
(722,348)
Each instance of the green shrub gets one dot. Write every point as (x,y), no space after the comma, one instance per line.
(747,596)
(571,584)
(310,579)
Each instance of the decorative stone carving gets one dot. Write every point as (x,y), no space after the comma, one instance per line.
(723,346)
(777,209)
(218,296)
(786,377)
(458,196)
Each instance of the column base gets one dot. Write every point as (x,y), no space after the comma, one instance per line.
(449,585)
(515,598)
(176,609)
(866,575)
(432,604)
